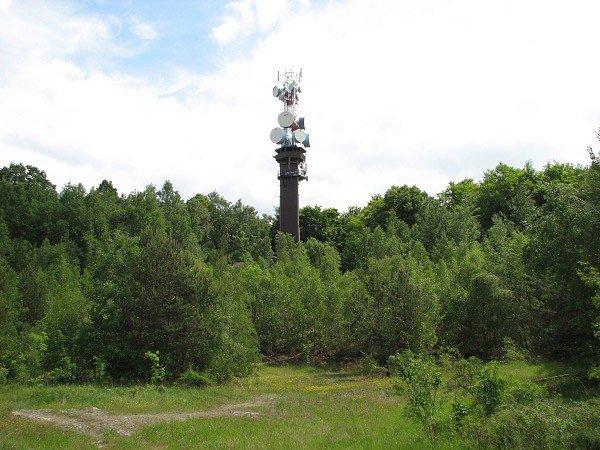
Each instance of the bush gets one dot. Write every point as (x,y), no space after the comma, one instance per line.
(64,373)
(3,375)
(525,392)
(482,382)
(193,378)
(420,380)
(18,369)
(512,352)
(26,366)
(594,373)
(157,372)
(369,366)
(460,410)
(489,389)
(98,369)
(544,424)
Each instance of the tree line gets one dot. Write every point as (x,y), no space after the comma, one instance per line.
(101,286)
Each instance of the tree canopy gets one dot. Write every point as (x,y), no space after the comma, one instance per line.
(91,283)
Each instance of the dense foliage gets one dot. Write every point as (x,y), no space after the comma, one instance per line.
(481,404)
(96,285)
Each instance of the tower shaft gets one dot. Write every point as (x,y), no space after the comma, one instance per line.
(290,159)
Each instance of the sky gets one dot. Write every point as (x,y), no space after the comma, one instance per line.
(417,92)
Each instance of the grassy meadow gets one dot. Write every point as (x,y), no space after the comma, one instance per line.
(316,408)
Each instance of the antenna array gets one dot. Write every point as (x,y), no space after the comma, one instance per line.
(291,130)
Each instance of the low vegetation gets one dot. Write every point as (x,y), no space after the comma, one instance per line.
(308,407)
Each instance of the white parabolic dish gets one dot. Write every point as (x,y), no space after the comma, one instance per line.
(285,119)
(277,135)
(299,136)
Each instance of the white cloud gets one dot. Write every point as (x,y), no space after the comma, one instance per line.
(54,30)
(242,17)
(5,6)
(143,30)
(228,30)
(394,92)
(247,16)
(270,12)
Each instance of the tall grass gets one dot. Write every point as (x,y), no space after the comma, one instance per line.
(318,408)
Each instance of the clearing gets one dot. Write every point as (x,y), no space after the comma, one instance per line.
(279,407)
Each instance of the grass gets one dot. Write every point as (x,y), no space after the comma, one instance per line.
(318,408)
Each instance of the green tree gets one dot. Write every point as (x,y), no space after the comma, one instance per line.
(66,311)
(509,192)
(10,305)
(563,242)
(464,193)
(142,210)
(404,306)
(105,209)
(403,202)
(200,223)
(233,349)
(324,225)
(237,232)
(28,200)
(71,221)
(437,226)
(178,222)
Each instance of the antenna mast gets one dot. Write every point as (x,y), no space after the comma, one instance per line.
(291,155)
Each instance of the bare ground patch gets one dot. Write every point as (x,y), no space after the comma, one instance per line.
(95,422)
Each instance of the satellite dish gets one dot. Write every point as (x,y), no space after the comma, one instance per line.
(301,137)
(298,136)
(277,135)
(285,119)
(301,123)
(276,91)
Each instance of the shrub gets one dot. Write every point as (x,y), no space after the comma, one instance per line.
(594,373)
(512,352)
(460,410)
(26,366)
(157,372)
(193,378)
(369,366)
(542,424)
(525,392)
(65,372)
(489,389)
(448,356)
(3,375)
(482,382)
(18,369)
(98,369)
(420,380)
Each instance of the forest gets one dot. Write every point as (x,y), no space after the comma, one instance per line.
(104,287)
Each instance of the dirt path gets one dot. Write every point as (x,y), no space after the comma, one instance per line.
(95,422)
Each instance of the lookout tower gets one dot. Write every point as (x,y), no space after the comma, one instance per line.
(293,140)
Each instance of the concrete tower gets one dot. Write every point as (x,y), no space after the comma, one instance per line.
(291,155)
